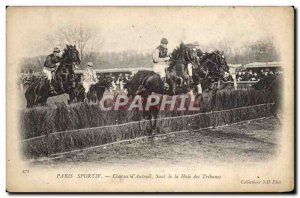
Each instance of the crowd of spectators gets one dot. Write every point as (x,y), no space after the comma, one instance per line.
(119,81)
(249,75)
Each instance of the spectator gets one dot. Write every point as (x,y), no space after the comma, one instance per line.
(113,84)
(239,76)
(270,73)
(254,77)
(262,74)
(246,76)
(243,75)
(89,78)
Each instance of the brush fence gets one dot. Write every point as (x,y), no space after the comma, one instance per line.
(77,139)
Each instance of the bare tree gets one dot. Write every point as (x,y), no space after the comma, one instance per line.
(80,35)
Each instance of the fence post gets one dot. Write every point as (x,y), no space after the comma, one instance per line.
(213,105)
(48,144)
(234,81)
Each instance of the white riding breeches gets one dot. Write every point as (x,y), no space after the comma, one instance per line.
(48,72)
(160,68)
(86,85)
(199,88)
(190,69)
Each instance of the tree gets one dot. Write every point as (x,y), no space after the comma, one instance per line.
(80,35)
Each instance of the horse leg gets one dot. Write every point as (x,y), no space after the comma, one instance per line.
(36,99)
(155,115)
(71,93)
(81,95)
(60,83)
(174,88)
(44,102)
(29,103)
(213,105)
(29,97)
(181,81)
(173,85)
(147,116)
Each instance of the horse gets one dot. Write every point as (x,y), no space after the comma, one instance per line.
(177,72)
(272,85)
(37,92)
(96,91)
(63,82)
(26,81)
(211,68)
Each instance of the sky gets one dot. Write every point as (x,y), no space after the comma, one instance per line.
(140,29)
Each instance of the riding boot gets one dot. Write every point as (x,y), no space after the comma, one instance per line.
(52,90)
(191,80)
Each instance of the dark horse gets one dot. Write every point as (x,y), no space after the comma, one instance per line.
(96,91)
(209,69)
(63,82)
(272,85)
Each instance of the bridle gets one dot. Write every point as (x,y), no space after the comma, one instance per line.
(215,70)
(67,63)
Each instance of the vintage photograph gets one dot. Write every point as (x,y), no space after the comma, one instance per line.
(150,99)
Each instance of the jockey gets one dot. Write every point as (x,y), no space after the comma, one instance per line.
(160,58)
(196,53)
(89,78)
(199,52)
(51,62)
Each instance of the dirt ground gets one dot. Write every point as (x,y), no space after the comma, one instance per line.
(255,141)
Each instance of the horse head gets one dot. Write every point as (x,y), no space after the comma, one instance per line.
(105,81)
(70,56)
(222,64)
(215,64)
(182,54)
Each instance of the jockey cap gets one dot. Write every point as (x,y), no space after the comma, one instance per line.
(56,49)
(164,41)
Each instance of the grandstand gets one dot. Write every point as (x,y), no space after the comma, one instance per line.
(117,71)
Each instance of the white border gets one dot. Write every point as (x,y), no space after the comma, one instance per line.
(3,4)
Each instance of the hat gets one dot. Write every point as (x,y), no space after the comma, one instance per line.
(196,44)
(164,41)
(90,64)
(56,49)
